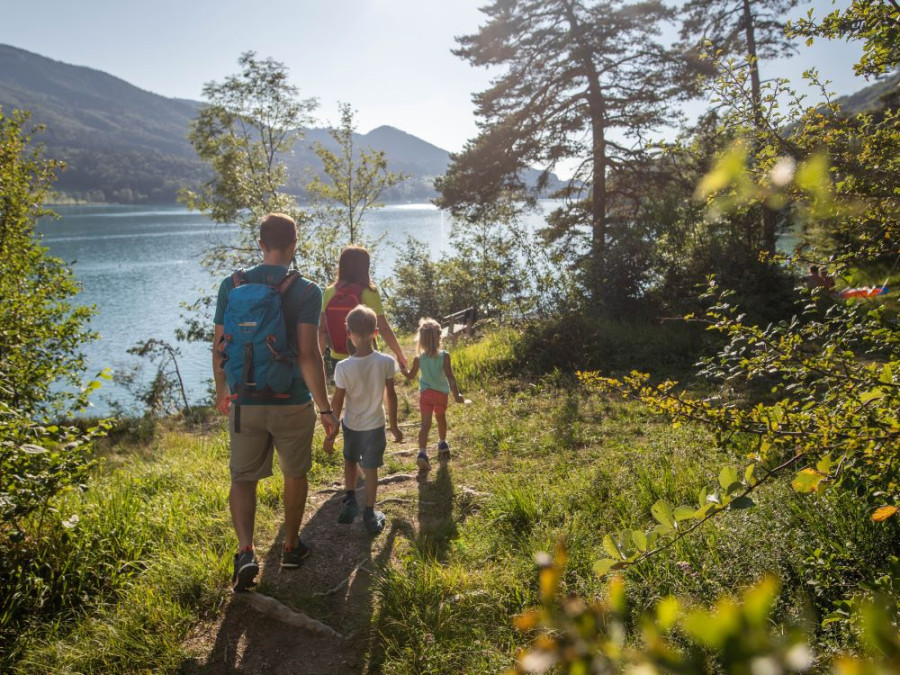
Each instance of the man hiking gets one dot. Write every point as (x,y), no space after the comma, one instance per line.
(268,372)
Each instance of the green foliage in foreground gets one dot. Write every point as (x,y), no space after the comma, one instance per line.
(124,570)
(41,332)
(736,636)
(41,335)
(548,460)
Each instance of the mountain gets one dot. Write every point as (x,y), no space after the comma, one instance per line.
(884,93)
(124,144)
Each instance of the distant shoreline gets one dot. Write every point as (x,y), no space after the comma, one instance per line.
(61,200)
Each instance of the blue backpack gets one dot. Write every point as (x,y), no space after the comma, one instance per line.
(256,357)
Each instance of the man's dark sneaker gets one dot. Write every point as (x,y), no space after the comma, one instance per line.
(422,462)
(374,521)
(294,557)
(245,570)
(443,451)
(349,511)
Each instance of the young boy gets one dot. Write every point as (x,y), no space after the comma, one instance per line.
(361,381)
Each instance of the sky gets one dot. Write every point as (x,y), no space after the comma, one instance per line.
(390,59)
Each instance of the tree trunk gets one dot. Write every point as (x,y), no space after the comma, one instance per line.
(598,191)
(767,216)
(597,110)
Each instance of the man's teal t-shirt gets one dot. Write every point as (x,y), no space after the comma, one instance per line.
(301,304)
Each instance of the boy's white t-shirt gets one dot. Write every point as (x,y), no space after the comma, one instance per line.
(363,378)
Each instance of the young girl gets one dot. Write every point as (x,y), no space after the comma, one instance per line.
(436,381)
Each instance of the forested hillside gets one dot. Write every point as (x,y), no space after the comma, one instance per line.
(123,144)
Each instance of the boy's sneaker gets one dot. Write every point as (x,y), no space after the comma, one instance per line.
(443,451)
(349,511)
(245,570)
(374,521)
(422,462)
(294,557)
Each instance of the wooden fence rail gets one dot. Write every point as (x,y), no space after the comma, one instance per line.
(462,321)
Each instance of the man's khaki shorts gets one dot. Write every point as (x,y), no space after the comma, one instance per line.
(287,429)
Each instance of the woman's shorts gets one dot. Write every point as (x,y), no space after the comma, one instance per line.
(366,448)
(432,401)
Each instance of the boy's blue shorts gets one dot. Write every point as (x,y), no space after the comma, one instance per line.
(365,447)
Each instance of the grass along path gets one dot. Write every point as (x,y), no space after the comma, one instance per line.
(533,460)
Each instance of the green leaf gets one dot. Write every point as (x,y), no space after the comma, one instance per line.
(834,617)
(609,545)
(640,540)
(667,612)
(807,480)
(759,601)
(886,376)
(701,498)
(871,395)
(662,511)
(735,487)
(685,513)
(824,465)
(706,509)
(748,475)
(606,565)
(726,477)
(662,530)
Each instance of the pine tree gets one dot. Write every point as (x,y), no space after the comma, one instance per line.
(583,83)
(751,30)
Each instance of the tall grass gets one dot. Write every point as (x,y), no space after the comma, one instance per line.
(128,565)
(548,460)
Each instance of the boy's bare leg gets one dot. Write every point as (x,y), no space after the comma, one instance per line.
(441,425)
(350,473)
(295,490)
(371,476)
(242,501)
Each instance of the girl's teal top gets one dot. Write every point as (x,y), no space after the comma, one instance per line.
(431,372)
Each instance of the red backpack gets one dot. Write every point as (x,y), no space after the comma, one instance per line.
(346,297)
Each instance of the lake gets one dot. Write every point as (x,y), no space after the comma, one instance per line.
(138,264)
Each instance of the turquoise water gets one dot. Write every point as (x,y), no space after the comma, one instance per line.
(137,265)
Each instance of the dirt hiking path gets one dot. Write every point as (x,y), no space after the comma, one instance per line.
(317,619)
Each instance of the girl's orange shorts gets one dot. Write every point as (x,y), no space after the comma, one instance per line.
(432,401)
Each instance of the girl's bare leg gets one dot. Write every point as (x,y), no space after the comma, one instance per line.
(441,425)
(424,429)
(422,459)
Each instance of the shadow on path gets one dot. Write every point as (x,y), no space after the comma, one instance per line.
(437,526)
(333,586)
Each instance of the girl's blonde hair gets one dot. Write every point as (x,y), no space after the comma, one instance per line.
(428,339)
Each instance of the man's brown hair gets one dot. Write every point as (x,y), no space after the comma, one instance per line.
(362,322)
(277,231)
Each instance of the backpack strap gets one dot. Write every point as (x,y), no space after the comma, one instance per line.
(285,284)
(239,278)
